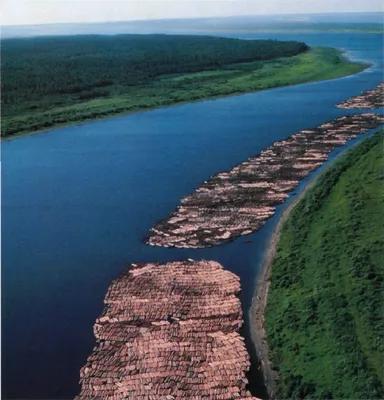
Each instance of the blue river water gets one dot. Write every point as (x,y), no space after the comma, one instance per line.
(78,201)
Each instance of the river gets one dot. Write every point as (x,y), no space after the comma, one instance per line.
(77,202)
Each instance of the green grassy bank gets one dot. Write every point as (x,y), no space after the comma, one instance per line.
(37,107)
(324,317)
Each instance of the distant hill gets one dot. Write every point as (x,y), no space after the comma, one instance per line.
(353,22)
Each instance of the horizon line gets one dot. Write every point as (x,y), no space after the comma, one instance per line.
(191,18)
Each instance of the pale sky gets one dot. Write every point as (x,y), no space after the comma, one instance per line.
(22,12)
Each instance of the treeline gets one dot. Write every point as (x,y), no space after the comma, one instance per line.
(84,67)
(324,316)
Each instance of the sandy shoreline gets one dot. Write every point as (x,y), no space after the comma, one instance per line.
(259,303)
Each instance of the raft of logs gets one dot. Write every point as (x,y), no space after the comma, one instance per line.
(238,202)
(169,332)
(370,99)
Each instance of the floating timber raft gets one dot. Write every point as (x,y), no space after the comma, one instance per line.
(169,332)
(238,202)
(370,99)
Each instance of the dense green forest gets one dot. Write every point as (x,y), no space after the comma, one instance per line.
(324,316)
(81,66)
(48,81)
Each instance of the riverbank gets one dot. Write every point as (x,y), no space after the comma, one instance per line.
(259,304)
(325,254)
(260,298)
(317,64)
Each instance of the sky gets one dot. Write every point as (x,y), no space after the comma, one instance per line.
(23,12)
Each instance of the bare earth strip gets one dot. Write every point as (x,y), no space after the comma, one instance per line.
(370,99)
(238,202)
(169,332)
(259,304)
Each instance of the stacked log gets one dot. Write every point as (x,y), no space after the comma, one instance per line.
(169,332)
(238,202)
(370,99)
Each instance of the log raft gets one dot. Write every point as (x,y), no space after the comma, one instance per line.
(169,332)
(370,99)
(239,201)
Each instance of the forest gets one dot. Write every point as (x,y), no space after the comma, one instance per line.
(324,317)
(89,66)
(43,74)
(58,80)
